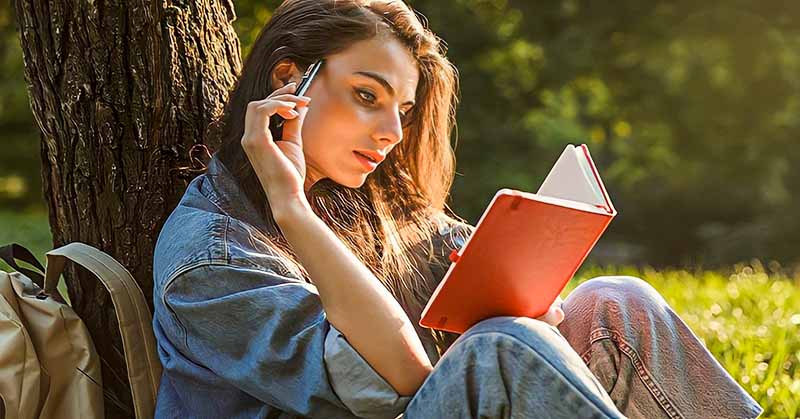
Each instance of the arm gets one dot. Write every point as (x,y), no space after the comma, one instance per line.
(355,301)
(268,335)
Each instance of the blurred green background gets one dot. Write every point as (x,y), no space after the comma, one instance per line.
(691,111)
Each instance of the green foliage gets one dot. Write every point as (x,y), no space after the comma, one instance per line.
(685,106)
(20,184)
(250,18)
(691,111)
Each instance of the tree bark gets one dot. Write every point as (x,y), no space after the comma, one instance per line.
(121,90)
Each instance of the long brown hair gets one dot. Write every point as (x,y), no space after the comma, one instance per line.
(389,221)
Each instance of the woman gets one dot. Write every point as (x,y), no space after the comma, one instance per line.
(290,279)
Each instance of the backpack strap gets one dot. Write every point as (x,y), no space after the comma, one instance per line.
(133,315)
(10,253)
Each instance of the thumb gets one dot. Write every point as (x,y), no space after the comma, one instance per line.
(292,128)
(554,315)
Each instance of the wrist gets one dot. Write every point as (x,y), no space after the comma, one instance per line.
(291,211)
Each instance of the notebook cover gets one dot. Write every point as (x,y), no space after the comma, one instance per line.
(524,250)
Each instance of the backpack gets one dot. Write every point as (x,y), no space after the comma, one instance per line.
(49,367)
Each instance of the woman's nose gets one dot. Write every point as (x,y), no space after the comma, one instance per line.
(389,129)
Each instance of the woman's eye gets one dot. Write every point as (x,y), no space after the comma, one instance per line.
(366,96)
(370,98)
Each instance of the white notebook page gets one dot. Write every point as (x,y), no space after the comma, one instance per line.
(572,178)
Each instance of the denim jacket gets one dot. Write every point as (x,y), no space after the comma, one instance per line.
(240,336)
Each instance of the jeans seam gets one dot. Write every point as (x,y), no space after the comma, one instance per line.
(641,370)
(544,359)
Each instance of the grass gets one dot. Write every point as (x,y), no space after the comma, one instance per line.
(748,317)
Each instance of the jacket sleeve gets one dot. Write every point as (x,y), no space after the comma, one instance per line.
(268,335)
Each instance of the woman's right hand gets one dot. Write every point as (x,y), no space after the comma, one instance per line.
(279,165)
(555,314)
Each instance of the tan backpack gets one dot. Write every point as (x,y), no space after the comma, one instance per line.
(48,364)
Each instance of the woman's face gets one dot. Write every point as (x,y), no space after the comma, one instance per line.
(358,102)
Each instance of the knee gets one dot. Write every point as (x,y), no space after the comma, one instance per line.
(617,291)
(499,334)
(511,326)
(617,287)
(497,364)
(510,349)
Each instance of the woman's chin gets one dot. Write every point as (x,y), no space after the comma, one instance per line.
(352,181)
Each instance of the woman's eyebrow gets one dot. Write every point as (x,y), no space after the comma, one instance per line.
(377,77)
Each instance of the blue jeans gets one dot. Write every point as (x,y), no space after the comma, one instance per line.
(620,352)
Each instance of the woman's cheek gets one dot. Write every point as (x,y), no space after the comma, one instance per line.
(353,109)
(352,116)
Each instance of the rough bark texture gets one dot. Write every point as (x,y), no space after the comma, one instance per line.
(121,90)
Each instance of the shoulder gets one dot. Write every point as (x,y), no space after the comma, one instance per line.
(223,265)
(194,236)
(189,236)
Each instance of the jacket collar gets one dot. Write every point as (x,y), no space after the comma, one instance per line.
(224,190)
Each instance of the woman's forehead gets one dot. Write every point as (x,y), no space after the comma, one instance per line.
(386,57)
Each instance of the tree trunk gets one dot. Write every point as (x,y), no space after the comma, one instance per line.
(121,91)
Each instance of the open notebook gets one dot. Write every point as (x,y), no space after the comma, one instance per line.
(525,247)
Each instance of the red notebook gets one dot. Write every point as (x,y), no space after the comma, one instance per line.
(525,248)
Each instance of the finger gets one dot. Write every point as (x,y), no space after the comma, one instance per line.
(546,317)
(292,128)
(271,107)
(258,115)
(559,302)
(292,98)
(558,310)
(559,314)
(554,316)
(287,88)
(287,113)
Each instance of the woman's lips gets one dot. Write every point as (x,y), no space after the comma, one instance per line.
(368,164)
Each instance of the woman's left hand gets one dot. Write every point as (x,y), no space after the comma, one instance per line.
(555,315)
